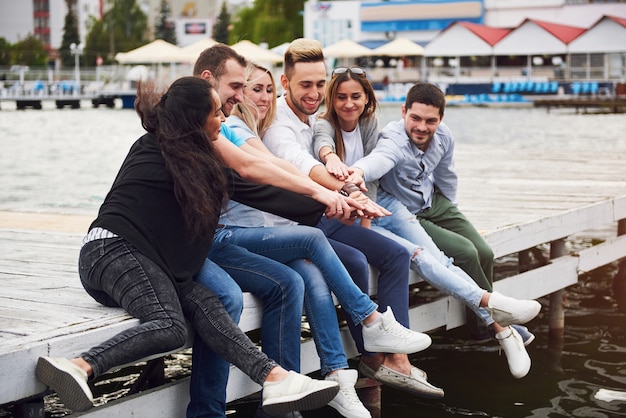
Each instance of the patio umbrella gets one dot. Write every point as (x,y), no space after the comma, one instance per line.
(399,47)
(255,53)
(156,52)
(347,48)
(191,52)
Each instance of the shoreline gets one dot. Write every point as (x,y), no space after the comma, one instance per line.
(45,221)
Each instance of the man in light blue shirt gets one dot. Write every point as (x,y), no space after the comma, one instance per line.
(414,161)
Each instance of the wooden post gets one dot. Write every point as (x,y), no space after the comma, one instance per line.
(369,392)
(619,281)
(556,316)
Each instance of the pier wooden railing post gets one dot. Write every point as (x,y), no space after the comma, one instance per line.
(619,281)
(556,315)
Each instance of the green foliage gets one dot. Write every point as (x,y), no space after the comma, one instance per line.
(220,29)
(123,27)
(70,35)
(271,21)
(163,29)
(5,52)
(30,51)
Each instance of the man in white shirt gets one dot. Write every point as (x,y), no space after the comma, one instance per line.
(291,137)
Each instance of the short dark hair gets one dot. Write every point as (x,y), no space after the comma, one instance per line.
(214,60)
(428,94)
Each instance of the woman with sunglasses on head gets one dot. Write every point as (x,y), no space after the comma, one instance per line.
(150,237)
(348,131)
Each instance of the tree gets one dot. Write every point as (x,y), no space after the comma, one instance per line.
(220,29)
(6,52)
(30,51)
(70,34)
(271,21)
(164,29)
(122,28)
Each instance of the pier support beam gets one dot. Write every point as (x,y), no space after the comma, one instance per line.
(619,281)
(556,315)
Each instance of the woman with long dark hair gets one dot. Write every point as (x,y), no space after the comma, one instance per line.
(151,236)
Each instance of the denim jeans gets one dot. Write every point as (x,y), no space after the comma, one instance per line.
(390,258)
(288,244)
(280,289)
(210,371)
(431,263)
(116,274)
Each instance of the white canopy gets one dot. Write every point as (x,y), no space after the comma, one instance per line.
(399,47)
(191,52)
(156,52)
(255,53)
(347,48)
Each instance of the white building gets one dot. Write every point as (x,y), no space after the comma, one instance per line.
(373,23)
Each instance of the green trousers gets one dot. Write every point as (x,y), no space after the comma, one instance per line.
(457,238)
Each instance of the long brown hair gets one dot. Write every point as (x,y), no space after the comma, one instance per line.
(177,120)
(331,113)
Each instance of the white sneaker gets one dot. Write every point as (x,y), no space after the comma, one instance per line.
(516,355)
(506,310)
(68,380)
(297,392)
(389,336)
(347,402)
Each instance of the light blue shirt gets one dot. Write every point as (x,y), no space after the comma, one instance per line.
(408,173)
(235,213)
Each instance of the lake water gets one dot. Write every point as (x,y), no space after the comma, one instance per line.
(63,161)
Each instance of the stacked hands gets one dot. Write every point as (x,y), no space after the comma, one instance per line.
(350,203)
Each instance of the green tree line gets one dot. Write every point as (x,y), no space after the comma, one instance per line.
(125,26)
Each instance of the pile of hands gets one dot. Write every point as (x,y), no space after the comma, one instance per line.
(352,203)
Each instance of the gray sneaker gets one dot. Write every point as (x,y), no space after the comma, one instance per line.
(415,383)
(367,371)
(389,336)
(68,380)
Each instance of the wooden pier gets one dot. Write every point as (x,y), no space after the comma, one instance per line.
(519,201)
(598,104)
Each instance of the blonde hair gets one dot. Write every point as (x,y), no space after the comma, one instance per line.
(302,50)
(244,110)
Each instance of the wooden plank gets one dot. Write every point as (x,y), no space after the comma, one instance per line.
(602,254)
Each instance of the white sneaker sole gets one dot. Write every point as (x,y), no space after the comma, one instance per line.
(302,401)
(71,392)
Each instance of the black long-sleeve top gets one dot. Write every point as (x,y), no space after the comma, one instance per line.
(141,208)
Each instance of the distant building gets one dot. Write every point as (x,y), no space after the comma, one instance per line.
(373,23)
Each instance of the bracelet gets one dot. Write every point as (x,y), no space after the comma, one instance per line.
(350,188)
(326,154)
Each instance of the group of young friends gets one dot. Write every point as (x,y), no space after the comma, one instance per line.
(234,190)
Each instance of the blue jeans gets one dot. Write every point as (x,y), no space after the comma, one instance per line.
(390,258)
(210,371)
(431,263)
(292,245)
(116,274)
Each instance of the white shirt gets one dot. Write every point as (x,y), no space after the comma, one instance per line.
(291,139)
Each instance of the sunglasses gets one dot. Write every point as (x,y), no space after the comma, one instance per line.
(353,70)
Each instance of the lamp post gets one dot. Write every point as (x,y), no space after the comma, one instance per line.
(77,51)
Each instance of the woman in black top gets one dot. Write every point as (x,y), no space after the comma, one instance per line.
(151,236)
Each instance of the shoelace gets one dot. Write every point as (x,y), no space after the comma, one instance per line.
(397,329)
(350,395)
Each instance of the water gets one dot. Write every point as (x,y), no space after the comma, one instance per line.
(64,161)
